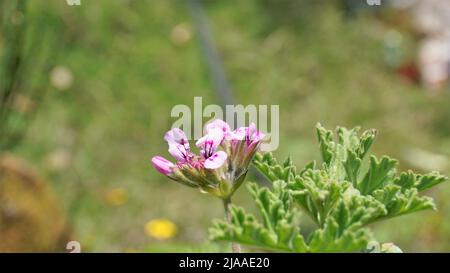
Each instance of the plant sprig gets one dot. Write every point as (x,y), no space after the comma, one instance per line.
(339,195)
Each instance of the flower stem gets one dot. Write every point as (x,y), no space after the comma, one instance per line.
(235,247)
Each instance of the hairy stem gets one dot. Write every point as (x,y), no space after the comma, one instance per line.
(235,247)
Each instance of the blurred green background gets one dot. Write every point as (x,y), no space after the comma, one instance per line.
(101,79)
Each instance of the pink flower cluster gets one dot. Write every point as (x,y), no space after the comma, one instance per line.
(223,161)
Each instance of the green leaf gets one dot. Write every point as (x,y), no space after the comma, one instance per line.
(429,180)
(352,166)
(269,166)
(334,195)
(277,231)
(400,201)
(348,138)
(406,180)
(325,138)
(366,141)
(329,239)
(379,174)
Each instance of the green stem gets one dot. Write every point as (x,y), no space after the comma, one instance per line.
(235,247)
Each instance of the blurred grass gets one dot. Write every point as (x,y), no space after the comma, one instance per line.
(129,69)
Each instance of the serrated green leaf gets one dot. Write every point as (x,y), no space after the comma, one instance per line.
(406,180)
(333,195)
(429,180)
(366,141)
(325,138)
(352,166)
(328,239)
(379,174)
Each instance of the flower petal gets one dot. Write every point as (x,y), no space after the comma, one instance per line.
(179,151)
(162,165)
(253,134)
(201,141)
(212,140)
(176,135)
(239,133)
(218,123)
(216,160)
(215,137)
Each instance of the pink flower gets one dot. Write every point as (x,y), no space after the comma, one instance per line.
(239,134)
(209,144)
(177,136)
(253,135)
(162,165)
(218,123)
(222,164)
(180,152)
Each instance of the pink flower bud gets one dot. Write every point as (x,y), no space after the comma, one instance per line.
(162,165)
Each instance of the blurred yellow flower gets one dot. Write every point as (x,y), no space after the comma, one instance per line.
(160,229)
(116,197)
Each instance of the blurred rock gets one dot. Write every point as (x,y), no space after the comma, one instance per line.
(31,219)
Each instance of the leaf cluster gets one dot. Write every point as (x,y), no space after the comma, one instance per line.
(341,195)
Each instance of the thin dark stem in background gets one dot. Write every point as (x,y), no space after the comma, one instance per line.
(215,65)
(212,57)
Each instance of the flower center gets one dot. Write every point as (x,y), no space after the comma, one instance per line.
(209,149)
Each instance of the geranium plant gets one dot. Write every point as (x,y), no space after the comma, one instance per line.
(341,196)
(221,166)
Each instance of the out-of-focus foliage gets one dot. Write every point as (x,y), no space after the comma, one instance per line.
(27,51)
(339,197)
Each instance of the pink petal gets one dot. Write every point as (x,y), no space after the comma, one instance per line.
(179,151)
(177,135)
(251,130)
(162,165)
(239,133)
(215,137)
(218,123)
(253,134)
(201,141)
(216,160)
(211,140)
